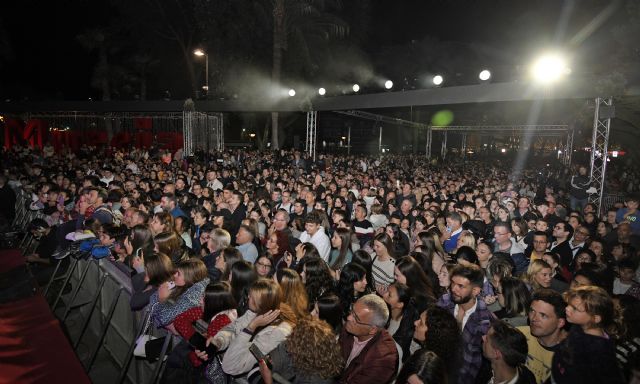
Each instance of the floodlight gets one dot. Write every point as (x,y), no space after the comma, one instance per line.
(503,150)
(292,92)
(199,52)
(485,75)
(322,91)
(549,68)
(356,87)
(437,79)
(388,84)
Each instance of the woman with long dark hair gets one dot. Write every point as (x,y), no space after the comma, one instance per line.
(437,330)
(400,240)
(362,258)
(242,276)
(329,309)
(317,279)
(425,367)
(351,286)
(383,262)
(340,249)
(408,271)
(402,315)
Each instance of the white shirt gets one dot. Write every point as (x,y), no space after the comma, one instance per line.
(215,184)
(466,314)
(320,240)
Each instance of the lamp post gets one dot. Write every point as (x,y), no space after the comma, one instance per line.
(200,52)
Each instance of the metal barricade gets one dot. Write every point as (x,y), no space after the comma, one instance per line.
(609,199)
(100,325)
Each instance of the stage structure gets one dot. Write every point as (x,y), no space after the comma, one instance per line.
(599,147)
(559,131)
(188,129)
(202,131)
(563,132)
(310,142)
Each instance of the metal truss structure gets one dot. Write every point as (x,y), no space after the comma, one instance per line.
(382,118)
(604,111)
(310,143)
(202,131)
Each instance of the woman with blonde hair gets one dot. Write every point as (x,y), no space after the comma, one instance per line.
(293,291)
(588,354)
(465,239)
(266,324)
(539,275)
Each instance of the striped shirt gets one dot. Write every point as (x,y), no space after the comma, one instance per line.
(383,271)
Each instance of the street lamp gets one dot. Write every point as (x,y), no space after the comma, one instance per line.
(200,52)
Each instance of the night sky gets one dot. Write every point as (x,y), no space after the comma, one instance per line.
(40,57)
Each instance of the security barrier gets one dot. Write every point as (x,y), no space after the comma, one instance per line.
(99,322)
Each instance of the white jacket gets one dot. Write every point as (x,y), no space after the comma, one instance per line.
(320,240)
(237,359)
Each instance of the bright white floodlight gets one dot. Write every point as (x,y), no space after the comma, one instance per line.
(437,80)
(292,92)
(388,84)
(485,75)
(356,87)
(322,91)
(549,68)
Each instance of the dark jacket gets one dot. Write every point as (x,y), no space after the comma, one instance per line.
(404,334)
(585,359)
(564,251)
(476,326)
(376,363)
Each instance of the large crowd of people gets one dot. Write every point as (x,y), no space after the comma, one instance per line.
(274,267)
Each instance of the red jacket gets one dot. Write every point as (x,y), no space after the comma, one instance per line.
(376,363)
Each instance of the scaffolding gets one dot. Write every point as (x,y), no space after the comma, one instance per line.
(202,131)
(310,143)
(604,111)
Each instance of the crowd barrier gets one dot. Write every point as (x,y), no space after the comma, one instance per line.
(100,325)
(609,200)
(95,312)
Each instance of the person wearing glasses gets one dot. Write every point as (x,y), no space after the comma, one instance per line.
(369,351)
(540,243)
(577,243)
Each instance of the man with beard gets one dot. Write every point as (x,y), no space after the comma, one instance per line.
(547,319)
(471,314)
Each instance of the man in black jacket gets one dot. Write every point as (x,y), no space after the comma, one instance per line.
(578,195)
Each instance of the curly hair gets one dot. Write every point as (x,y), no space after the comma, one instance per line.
(443,337)
(325,358)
